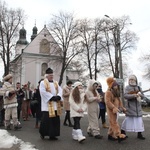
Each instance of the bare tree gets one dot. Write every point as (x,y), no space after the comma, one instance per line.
(10,19)
(63,27)
(97,38)
(110,43)
(87,38)
(102,40)
(145,59)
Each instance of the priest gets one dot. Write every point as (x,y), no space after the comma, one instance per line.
(51,97)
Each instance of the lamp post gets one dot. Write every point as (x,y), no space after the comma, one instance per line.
(120,57)
(120,54)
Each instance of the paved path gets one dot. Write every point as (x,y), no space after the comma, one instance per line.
(29,134)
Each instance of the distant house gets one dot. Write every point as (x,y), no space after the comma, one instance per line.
(32,59)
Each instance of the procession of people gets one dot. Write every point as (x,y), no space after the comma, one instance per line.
(47,101)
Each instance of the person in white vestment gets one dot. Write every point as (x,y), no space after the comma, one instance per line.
(51,96)
(133,121)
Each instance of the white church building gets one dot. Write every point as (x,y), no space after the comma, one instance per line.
(32,59)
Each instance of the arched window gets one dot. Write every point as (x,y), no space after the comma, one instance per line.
(43,68)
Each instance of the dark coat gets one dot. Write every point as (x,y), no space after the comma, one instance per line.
(37,105)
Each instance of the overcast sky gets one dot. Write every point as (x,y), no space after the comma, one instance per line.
(137,10)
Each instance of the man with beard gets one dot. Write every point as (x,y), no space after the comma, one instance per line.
(114,106)
(133,121)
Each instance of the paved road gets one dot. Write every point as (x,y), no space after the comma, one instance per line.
(29,134)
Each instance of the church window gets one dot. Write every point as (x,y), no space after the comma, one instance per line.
(43,70)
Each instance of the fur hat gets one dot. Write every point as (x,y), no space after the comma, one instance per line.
(77,84)
(49,71)
(7,77)
(111,82)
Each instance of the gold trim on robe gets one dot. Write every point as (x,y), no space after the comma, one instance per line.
(51,103)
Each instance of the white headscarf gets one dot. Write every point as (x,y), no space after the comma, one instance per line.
(132,80)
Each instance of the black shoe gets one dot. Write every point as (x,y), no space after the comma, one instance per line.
(53,138)
(111,138)
(17,127)
(98,136)
(65,124)
(120,139)
(141,137)
(123,132)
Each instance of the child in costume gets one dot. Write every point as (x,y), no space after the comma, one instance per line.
(102,106)
(114,106)
(93,99)
(77,108)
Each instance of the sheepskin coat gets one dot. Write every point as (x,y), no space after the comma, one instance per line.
(74,107)
(92,109)
(8,87)
(66,92)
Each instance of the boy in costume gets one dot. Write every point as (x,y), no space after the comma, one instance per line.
(114,106)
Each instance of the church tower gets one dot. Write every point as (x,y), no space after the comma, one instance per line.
(34,33)
(21,43)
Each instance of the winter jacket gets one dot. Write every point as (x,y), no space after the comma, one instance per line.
(133,106)
(5,91)
(74,107)
(66,92)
